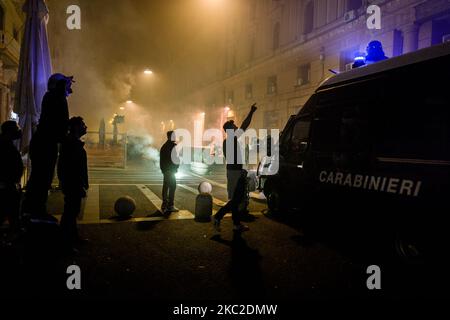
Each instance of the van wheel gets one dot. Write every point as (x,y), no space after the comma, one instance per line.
(275,201)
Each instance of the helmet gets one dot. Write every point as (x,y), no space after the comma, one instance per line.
(55,80)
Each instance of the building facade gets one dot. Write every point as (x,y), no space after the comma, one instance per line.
(11,30)
(277,52)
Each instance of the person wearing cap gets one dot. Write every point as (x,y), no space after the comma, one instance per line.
(11,170)
(50,132)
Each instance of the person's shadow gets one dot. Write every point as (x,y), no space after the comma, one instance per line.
(244,268)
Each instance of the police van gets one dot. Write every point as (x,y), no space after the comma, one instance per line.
(371,150)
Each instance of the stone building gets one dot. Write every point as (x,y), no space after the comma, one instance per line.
(276,52)
(11,30)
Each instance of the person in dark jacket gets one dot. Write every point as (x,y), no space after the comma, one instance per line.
(169,163)
(50,132)
(11,170)
(73,177)
(233,206)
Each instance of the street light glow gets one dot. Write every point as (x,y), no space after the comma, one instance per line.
(148,71)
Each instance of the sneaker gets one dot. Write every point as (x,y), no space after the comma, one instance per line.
(216,224)
(172,209)
(240,228)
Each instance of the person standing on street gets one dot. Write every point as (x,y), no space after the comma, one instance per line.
(44,145)
(11,170)
(232,150)
(236,175)
(169,162)
(73,178)
(233,206)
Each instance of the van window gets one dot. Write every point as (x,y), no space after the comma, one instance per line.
(341,127)
(300,134)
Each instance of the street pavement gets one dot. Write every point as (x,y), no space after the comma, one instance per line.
(156,258)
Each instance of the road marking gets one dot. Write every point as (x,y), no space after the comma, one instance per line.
(181,215)
(124,184)
(153,198)
(222,185)
(216,201)
(91,206)
(150,195)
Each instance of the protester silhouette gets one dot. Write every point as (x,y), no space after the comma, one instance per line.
(11,170)
(233,206)
(169,163)
(236,176)
(50,132)
(73,178)
(234,157)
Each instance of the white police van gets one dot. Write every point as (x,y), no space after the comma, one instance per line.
(371,148)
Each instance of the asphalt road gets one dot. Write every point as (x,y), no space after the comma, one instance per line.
(155,258)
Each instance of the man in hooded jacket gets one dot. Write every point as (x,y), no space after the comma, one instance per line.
(50,132)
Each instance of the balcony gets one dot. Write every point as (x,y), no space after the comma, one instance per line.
(9,49)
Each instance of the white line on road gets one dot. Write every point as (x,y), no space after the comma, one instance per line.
(150,195)
(153,198)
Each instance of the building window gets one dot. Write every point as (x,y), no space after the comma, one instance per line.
(276,36)
(233,60)
(354,4)
(249,91)
(251,53)
(440,31)
(272,85)
(252,9)
(308,18)
(304,74)
(271,119)
(230,97)
(16,34)
(397,49)
(2,18)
